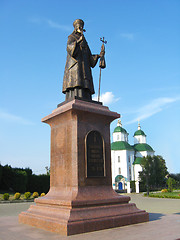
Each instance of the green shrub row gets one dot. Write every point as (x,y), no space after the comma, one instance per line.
(27,195)
(162,196)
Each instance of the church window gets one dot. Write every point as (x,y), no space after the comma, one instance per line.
(129,159)
(117,137)
(129,172)
(118,158)
(119,170)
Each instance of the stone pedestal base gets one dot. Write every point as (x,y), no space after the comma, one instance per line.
(77,202)
(82,216)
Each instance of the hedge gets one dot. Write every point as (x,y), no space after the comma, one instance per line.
(22,180)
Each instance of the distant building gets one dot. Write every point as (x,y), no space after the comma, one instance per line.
(126,158)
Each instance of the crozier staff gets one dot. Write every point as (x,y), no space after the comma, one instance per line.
(78,81)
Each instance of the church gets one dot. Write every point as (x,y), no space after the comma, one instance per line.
(126,158)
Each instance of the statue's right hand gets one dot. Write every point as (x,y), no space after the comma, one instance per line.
(80,39)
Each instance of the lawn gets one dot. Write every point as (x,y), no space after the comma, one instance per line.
(175,194)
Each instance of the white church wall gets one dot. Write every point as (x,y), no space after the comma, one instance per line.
(144,154)
(118,136)
(139,139)
(137,169)
(119,165)
(113,167)
(129,162)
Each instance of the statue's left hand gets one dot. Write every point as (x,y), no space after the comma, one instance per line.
(102,53)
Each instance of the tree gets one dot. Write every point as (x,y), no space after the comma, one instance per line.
(153,173)
(176,177)
(171,183)
(47,170)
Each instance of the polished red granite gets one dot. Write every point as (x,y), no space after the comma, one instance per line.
(77,203)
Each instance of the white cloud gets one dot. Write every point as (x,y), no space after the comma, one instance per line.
(155,106)
(51,24)
(107,98)
(57,25)
(129,36)
(13,118)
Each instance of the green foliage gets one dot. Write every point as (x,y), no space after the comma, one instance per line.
(13,179)
(1,168)
(6,196)
(35,195)
(27,195)
(132,186)
(47,170)
(17,196)
(22,180)
(176,177)
(154,172)
(39,183)
(171,183)
(175,195)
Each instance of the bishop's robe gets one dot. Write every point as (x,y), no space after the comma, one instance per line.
(79,61)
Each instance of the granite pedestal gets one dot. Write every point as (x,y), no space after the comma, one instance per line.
(81,198)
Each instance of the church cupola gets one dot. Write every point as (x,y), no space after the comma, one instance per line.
(120,134)
(139,136)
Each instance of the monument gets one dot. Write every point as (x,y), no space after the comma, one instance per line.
(81,198)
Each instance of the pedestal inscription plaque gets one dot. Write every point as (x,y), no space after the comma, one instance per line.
(95,155)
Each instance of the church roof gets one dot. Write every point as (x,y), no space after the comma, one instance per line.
(140,147)
(139,132)
(137,160)
(121,145)
(120,129)
(119,177)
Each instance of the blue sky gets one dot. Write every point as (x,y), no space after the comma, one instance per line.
(141,81)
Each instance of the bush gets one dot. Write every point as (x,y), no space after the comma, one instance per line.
(6,196)
(17,196)
(27,195)
(35,195)
(164,190)
(42,194)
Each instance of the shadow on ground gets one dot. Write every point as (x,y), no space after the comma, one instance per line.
(155,216)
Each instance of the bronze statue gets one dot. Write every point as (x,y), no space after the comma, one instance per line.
(78,80)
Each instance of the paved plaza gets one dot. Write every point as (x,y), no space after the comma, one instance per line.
(164,223)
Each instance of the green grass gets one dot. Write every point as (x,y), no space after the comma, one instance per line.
(175,194)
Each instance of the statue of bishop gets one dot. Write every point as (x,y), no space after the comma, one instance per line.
(78,80)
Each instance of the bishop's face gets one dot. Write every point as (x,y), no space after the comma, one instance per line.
(79,28)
